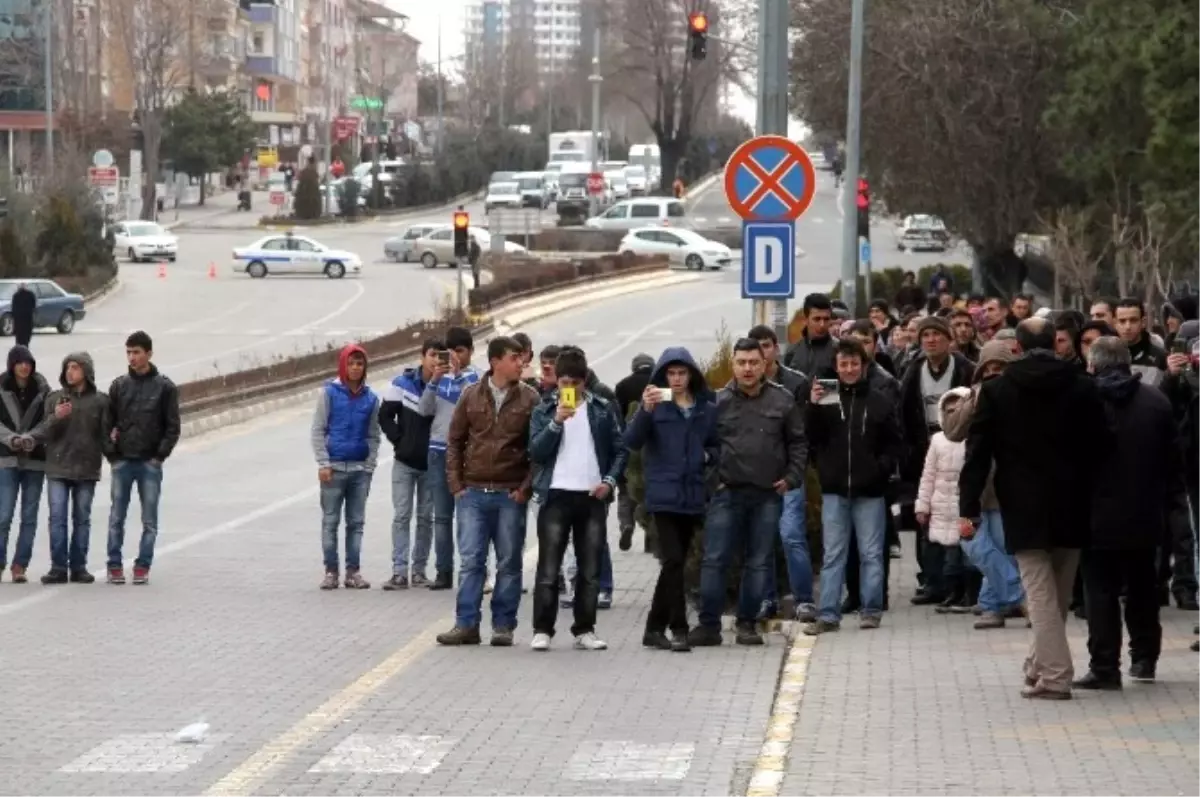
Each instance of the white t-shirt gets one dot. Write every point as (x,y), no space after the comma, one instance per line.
(576,468)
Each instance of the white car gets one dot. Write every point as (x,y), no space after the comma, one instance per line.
(437,246)
(682,247)
(286,253)
(637,179)
(400,247)
(503,195)
(922,232)
(635,213)
(144,240)
(618,184)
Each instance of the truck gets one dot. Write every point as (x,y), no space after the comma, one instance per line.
(575,146)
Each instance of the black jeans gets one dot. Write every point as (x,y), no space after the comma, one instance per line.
(668,608)
(1177,558)
(1104,572)
(568,517)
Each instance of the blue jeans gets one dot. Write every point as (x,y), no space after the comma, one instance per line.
(489,518)
(793,530)
(27,484)
(70,499)
(148,478)
(745,517)
(349,488)
(841,517)
(1001,588)
(443,513)
(407,484)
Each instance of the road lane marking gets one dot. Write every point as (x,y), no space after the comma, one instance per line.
(766,780)
(205,322)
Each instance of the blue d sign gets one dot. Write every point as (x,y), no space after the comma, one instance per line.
(768,260)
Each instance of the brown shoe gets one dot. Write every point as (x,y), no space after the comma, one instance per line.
(355,581)
(459,636)
(1039,692)
(330,581)
(989,620)
(18,575)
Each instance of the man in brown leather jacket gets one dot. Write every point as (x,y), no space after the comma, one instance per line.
(488,472)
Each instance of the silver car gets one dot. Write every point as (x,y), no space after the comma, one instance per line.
(403,248)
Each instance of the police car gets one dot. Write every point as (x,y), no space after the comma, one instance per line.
(288,253)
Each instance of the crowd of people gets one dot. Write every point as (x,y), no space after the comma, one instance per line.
(55,440)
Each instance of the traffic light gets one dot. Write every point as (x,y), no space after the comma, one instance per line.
(864,209)
(462,221)
(698,26)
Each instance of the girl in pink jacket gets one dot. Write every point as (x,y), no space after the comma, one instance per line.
(937,502)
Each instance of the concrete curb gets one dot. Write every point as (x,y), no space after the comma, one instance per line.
(693,193)
(522,312)
(107,289)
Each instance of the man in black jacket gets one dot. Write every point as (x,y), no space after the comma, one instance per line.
(760,428)
(856,444)
(145,416)
(629,392)
(1182,387)
(813,355)
(1133,489)
(22,460)
(408,432)
(1038,421)
(24,306)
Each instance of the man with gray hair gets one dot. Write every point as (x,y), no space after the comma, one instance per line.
(1037,421)
(1134,486)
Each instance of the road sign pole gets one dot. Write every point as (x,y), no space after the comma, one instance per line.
(864,257)
(595,79)
(772,119)
(853,167)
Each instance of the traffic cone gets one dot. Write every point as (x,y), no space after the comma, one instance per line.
(212,271)
(162,270)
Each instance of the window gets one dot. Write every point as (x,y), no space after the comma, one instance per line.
(644,212)
(414,233)
(675,210)
(256,44)
(618,212)
(647,235)
(441,235)
(47,290)
(275,245)
(301,245)
(667,238)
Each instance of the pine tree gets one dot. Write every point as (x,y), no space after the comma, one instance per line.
(308,203)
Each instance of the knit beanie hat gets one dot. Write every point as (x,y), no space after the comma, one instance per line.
(642,362)
(936,323)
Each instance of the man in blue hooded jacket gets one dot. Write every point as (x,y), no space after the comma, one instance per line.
(678,438)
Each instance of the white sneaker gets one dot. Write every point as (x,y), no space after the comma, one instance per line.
(590,642)
(540,642)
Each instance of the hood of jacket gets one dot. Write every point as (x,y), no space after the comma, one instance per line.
(678,355)
(343,368)
(994,351)
(16,355)
(84,361)
(1117,384)
(953,396)
(1042,372)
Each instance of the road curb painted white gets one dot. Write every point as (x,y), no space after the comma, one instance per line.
(693,193)
(766,780)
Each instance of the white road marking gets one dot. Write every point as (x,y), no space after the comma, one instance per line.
(142,753)
(195,324)
(595,761)
(379,754)
(817,221)
(700,221)
(336,333)
(724,220)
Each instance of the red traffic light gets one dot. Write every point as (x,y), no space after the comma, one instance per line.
(462,220)
(699,22)
(862,201)
(862,186)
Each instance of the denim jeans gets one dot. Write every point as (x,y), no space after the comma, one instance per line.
(489,518)
(793,530)
(148,478)
(737,517)
(606,566)
(351,489)
(841,517)
(579,518)
(70,499)
(409,484)
(443,513)
(1001,580)
(27,484)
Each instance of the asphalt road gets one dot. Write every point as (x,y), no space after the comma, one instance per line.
(203,326)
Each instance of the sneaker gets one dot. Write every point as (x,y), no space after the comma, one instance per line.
(418,580)
(442,581)
(1142,672)
(820,627)
(116,575)
(747,634)
(590,641)
(869,622)
(459,636)
(977,610)
(656,639)
(18,575)
(397,582)
(502,638)
(806,613)
(626,541)
(141,575)
(1091,681)
(604,600)
(330,581)
(926,599)
(55,576)
(355,581)
(679,643)
(704,637)
(1187,602)
(540,642)
(80,575)
(989,620)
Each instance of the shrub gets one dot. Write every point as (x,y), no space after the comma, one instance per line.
(308,203)
(61,248)
(13,262)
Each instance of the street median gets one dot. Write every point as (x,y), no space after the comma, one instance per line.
(587,239)
(522,291)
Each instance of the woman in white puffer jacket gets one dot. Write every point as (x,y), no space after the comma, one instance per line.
(937,495)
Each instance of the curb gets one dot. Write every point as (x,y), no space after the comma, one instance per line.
(537,309)
(390,217)
(110,287)
(691,194)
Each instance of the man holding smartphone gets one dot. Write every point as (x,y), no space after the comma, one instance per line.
(452,374)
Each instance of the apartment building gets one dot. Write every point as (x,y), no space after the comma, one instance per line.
(551,28)
(386,62)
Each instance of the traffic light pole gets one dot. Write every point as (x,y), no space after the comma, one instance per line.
(772,119)
(595,79)
(853,165)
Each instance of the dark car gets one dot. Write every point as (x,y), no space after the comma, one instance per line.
(56,309)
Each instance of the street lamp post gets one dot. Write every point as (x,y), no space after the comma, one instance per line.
(853,160)
(48,77)
(595,79)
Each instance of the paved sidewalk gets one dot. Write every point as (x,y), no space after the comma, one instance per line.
(219,211)
(927,705)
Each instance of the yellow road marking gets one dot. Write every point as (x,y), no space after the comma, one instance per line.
(766,780)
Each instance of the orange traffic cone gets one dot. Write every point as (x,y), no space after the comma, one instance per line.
(162,271)
(212,271)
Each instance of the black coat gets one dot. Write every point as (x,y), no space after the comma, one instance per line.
(630,389)
(1141,477)
(856,443)
(1044,424)
(912,411)
(23,305)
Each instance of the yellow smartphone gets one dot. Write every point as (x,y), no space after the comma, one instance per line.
(566,396)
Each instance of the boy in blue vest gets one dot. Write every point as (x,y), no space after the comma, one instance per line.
(345,441)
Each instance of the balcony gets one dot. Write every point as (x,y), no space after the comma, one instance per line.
(262,13)
(221,56)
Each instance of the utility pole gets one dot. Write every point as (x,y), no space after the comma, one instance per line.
(327,122)
(48,77)
(550,79)
(772,118)
(440,98)
(853,161)
(595,79)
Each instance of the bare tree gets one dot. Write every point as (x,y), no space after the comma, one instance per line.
(1077,250)
(154,37)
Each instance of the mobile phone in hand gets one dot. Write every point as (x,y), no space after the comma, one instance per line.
(567,397)
(444,357)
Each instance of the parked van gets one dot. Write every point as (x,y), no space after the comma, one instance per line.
(646,211)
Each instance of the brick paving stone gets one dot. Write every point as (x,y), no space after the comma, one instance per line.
(927,705)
